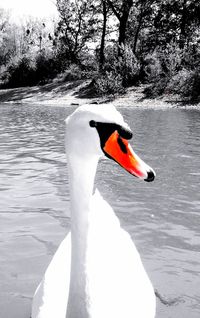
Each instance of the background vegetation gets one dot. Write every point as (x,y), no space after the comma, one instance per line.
(115,43)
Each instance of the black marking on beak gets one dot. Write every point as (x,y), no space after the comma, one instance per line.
(105,130)
(150,176)
(122,145)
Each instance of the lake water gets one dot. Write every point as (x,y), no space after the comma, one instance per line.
(163,217)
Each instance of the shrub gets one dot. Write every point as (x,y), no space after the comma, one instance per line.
(20,73)
(162,63)
(157,88)
(45,68)
(185,84)
(170,72)
(129,68)
(76,72)
(124,66)
(73,73)
(176,84)
(171,59)
(25,71)
(109,83)
(151,67)
(192,86)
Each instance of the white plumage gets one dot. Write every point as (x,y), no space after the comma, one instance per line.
(96,271)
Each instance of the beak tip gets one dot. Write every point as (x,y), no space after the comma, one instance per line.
(150,176)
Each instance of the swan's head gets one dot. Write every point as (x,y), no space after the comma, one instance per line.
(100,130)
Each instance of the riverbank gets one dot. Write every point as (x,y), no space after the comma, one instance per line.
(77,93)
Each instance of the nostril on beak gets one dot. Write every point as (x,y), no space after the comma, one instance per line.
(150,176)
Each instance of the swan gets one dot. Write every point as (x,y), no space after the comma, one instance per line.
(96,271)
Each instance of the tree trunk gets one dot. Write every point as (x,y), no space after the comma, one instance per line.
(122,16)
(183,26)
(126,7)
(122,31)
(102,57)
(138,30)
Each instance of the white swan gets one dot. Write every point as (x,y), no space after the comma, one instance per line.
(96,271)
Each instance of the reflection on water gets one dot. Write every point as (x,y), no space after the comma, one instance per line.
(163,217)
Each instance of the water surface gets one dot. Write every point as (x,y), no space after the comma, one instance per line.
(162,217)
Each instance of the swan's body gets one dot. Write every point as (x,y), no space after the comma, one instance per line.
(96,271)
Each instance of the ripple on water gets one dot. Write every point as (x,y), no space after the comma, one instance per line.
(162,217)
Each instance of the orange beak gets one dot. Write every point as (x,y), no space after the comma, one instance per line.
(119,149)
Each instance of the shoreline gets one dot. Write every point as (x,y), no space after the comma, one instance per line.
(72,94)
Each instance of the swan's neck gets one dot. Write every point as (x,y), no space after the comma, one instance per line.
(81,174)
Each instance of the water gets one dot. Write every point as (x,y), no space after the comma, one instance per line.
(163,217)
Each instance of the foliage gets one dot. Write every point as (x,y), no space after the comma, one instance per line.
(151,68)
(77,26)
(129,67)
(24,71)
(193,86)
(157,88)
(74,72)
(126,66)
(20,73)
(7,40)
(125,42)
(108,83)
(46,67)
(187,84)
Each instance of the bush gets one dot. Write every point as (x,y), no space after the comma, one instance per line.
(124,66)
(171,59)
(185,84)
(77,72)
(73,73)
(162,63)
(192,86)
(25,71)
(20,73)
(151,67)
(129,67)
(109,83)
(46,68)
(170,72)
(157,88)
(176,84)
